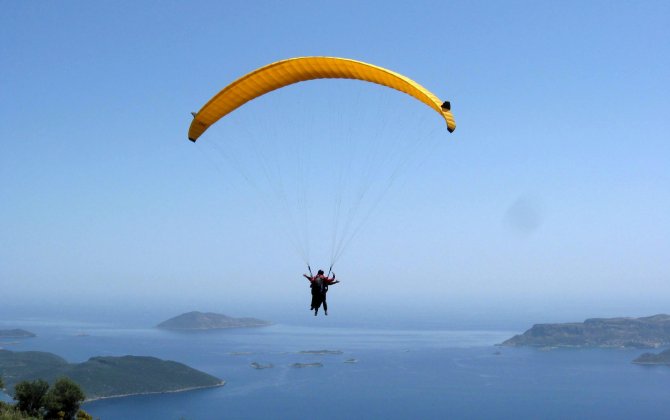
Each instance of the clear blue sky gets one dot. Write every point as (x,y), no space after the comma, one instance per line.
(555,186)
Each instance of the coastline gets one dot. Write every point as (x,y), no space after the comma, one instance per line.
(651,363)
(212,328)
(192,388)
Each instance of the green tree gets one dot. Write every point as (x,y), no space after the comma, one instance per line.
(63,399)
(83,415)
(2,384)
(29,396)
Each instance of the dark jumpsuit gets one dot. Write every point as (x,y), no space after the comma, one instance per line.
(319,286)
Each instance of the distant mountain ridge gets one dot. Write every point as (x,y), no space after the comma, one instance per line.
(103,377)
(209,321)
(646,332)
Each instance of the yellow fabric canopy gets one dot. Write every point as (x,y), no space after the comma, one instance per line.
(294,70)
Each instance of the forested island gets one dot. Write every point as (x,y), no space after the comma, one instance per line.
(104,377)
(209,321)
(16,333)
(646,332)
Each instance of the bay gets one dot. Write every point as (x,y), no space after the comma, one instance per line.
(374,373)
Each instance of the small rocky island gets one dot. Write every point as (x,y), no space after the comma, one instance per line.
(16,333)
(306,365)
(105,377)
(194,321)
(662,358)
(257,365)
(321,352)
(646,332)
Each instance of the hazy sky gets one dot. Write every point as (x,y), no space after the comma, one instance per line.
(555,186)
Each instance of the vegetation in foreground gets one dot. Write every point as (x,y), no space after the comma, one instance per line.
(37,400)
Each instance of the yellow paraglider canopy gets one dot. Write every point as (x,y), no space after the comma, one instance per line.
(294,70)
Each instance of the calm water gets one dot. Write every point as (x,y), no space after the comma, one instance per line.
(399,374)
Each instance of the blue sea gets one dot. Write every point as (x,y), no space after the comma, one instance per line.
(395,374)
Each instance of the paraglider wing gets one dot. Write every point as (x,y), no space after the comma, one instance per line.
(294,70)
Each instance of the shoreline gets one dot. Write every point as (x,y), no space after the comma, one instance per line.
(174,391)
(213,328)
(651,363)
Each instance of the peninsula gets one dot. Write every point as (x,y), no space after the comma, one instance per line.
(16,333)
(662,358)
(105,377)
(194,321)
(646,332)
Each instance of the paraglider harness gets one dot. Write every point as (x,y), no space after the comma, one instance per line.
(319,286)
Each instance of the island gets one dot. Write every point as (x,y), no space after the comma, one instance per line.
(331,352)
(662,358)
(105,377)
(195,321)
(646,332)
(16,333)
(305,365)
(257,365)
